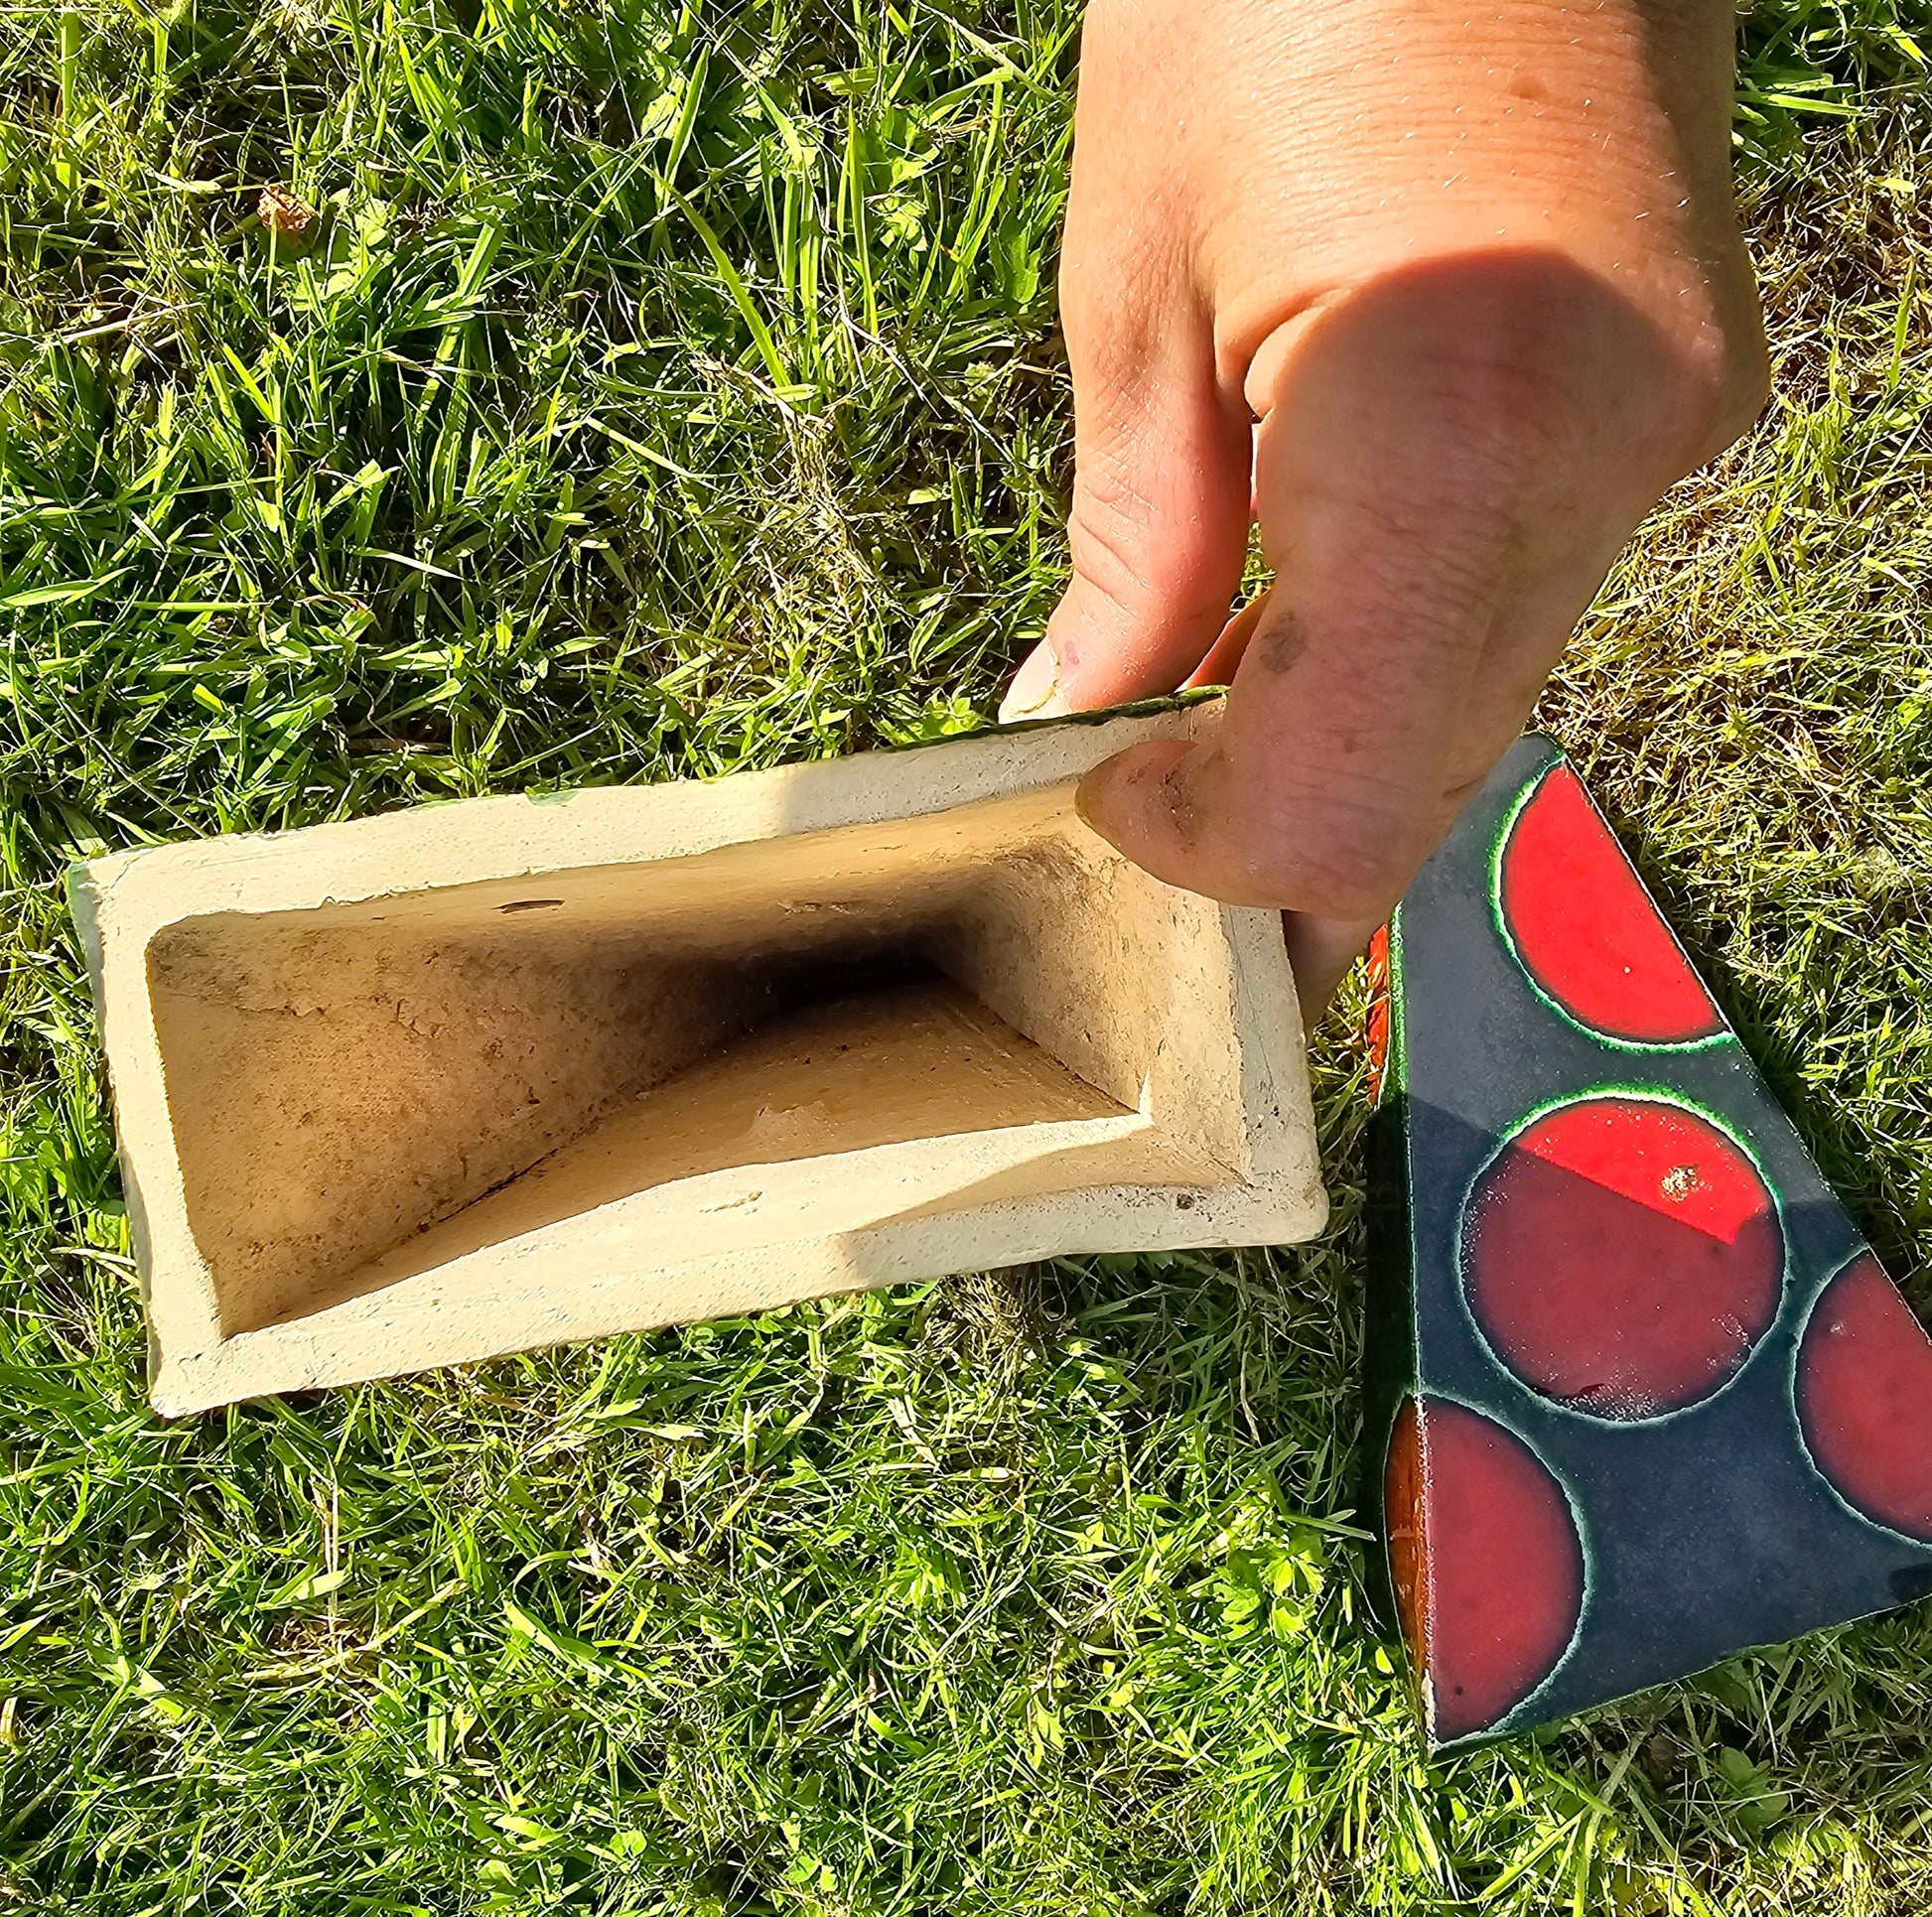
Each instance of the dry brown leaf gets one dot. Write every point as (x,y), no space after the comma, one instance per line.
(285,216)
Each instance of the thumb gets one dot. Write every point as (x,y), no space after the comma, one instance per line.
(1453,454)
(1159,528)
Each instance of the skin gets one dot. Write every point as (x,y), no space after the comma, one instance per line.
(1443,294)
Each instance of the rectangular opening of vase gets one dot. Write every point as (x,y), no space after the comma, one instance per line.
(782,1039)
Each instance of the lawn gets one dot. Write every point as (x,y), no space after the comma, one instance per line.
(664,391)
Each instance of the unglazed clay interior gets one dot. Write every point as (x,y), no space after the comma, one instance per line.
(362,1093)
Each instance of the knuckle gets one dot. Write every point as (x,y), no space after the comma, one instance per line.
(1339,865)
(1126,549)
(1727,376)
(1123,280)
(1524,358)
(1111,552)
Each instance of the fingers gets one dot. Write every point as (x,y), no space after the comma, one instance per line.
(1158,533)
(1163,450)
(1320,953)
(1224,657)
(1434,489)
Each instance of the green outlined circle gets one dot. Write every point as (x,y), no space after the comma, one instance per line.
(1518,1714)
(1800,1330)
(1499,921)
(1651,1095)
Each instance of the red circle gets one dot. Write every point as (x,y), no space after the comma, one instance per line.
(1622,1255)
(1864,1398)
(1587,930)
(1503,1585)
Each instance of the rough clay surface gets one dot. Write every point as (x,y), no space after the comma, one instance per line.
(446,1084)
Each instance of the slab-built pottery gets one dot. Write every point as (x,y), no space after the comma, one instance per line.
(485,1077)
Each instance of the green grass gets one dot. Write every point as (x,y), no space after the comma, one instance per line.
(672,391)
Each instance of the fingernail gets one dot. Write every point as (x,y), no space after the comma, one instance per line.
(1035,689)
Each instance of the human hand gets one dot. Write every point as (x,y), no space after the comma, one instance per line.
(1445,302)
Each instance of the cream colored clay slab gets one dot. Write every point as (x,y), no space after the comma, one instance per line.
(471,1080)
